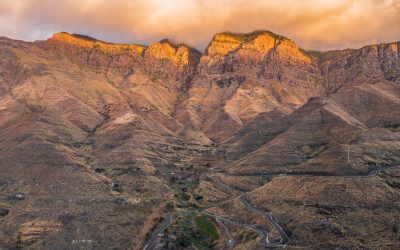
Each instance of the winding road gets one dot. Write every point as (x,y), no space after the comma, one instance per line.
(220,182)
(370,173)
(231,241)
(154,236)
(284,238)
(264,240)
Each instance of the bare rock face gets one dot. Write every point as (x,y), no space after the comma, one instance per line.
(231,52)
(86,50)
(159,60)
(101,139)
(168,61)
(91,43)
(375,61)
(294,70)
(242,75)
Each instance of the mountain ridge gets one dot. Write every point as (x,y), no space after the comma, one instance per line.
(229,33)
(99,142)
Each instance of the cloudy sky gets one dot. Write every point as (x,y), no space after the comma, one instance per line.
(313,24)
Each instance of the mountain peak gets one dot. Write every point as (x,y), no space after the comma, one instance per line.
(247,36)
(90,42)
(169,42)
(226,42)
(77,39)
(165,49)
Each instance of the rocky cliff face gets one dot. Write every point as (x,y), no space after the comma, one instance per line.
(230,52)
(238,77)
(370,62)
(170,61)
(98,140)
(242,75)
(159,60)
(109,57)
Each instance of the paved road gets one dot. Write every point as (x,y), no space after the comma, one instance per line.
(154,236)
(284,238)
(264,240)
(370,173)
(231,241)
(220,182)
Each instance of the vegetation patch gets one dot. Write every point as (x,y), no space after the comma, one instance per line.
(191,231)
(206,226)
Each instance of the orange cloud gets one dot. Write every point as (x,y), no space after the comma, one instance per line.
(314,24)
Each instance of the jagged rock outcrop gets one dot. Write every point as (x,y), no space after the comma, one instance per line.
(377,62)
(169,61)
(116,58)
(160,60)
(242,75)
(229,52)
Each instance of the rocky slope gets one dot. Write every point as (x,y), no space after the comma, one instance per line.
(98,140)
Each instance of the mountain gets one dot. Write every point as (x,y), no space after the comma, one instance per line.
(101,143)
